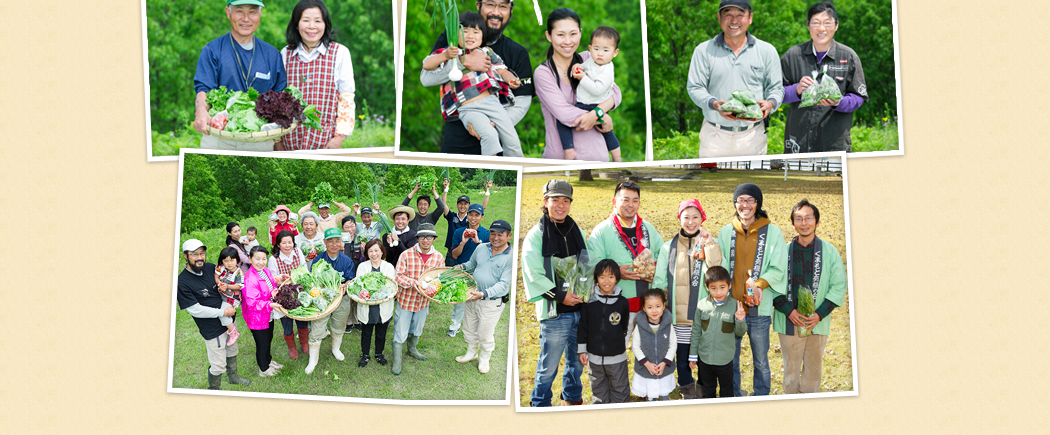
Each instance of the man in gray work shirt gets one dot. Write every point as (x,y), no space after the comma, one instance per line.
(734,60)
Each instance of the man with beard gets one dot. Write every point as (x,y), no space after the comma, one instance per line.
(813,265)
(199,296)
(621,238)
(457,139)
(753,251)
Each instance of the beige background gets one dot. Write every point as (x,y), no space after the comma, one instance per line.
(951,317)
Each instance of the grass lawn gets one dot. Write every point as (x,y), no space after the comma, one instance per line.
(375,135)
(437,378)
(592,203)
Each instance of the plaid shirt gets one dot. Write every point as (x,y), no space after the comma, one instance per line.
(409,267)
(473,84)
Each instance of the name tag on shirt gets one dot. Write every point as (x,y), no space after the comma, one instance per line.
(260,75)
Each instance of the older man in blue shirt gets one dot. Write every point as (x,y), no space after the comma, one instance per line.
(492,267)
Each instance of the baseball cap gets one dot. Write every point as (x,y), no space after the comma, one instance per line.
(244,2)
(557,187)
(366,210)
(463,198)
(192,245)
(500,225)
(323,205)
(332,233)
(477,208)
(742,4)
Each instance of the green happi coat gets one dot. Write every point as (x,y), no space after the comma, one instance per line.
(774,264)
(539,280)
(832,287)
(605,243)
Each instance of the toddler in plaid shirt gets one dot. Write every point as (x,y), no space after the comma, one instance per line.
(476,95)
(231,281)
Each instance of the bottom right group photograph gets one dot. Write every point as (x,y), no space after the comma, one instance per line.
(684,282)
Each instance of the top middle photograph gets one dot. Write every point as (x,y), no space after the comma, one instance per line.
(566,82)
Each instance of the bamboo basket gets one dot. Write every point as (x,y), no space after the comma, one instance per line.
(434,272)
(353,295)
(328,310)
(254,137)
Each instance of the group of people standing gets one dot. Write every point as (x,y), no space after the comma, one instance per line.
(736,60)
(311,61)
(677,319)
(248,276)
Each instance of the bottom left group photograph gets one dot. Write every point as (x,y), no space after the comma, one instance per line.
(338,278)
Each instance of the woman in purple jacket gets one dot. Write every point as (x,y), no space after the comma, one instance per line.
(260,285)
(556,90)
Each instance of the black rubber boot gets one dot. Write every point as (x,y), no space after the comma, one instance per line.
(214,381)
(231,372)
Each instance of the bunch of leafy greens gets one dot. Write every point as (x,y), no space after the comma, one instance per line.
(426,181)
(806,307)
(576,273)
(453,291)
(304,311)
(301,275)
(287,296)
(325,277)
(216,98)
(376,284)
(311,118)
(323,194)
(280,108)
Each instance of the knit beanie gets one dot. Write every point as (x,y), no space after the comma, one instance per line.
(749,189)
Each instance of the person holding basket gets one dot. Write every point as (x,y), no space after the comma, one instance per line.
(333,255)
(412,304)
(375,317)
(492,267)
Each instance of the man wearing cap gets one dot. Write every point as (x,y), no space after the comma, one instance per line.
(622,238)
(457,138)
(403,238)
(556,235)
(734,60)
(326,220)
(491,266)
(239,61)
(334,256)
(463,248)
(308,240)
(753,252)
(368,227)
(813,265)
(423,207)
(412,306)
(680,273)
(199,295)
(458,219)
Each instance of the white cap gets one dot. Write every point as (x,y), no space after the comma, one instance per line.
(192,245)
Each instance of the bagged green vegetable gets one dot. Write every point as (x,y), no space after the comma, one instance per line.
(732,105)
(577,274)
(753,111)
(829,89)
(810,96)
(745,96)
(805,307)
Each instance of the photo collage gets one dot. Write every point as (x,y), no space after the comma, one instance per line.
(550,206)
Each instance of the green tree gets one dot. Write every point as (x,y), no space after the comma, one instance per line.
(202,205)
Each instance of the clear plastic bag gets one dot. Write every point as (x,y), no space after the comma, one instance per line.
(732,105)
(745,96)
(644,265)
(810,96)
(753,111)
(829,89)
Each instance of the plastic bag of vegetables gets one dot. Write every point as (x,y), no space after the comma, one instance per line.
(644,264)
(805,307)
(753,111)
(745,96)
(576,273)
(829,89)
(732,105)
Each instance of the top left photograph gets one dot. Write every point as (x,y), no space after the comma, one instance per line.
(269,75)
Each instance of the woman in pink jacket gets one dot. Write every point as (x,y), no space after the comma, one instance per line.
(557,93)
(260,286)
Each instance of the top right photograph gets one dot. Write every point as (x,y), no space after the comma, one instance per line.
(745,78)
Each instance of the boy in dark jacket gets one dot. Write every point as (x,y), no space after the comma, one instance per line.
(601,336)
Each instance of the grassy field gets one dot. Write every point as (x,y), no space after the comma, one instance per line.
(865,138)
(592,202)
(437,378)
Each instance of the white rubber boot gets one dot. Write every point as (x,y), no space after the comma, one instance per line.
(337,341)
(315,352)
(483,361)
(472,354)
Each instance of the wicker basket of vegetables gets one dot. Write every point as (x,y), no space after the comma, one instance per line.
(372,288)
(253,117)
(446,285)
(310,295)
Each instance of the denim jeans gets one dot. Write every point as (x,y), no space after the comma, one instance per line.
(558,337)
(758,333)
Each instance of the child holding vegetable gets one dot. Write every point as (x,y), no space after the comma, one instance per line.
(654,344)
(595,77)
(477,95)
(600,337)
(230,280)
(715,333)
